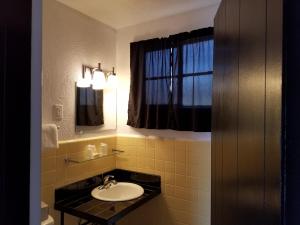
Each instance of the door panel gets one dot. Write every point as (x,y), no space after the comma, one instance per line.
(246,113)
(15,60)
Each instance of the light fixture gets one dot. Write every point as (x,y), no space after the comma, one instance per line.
(96,78)
(112,79)
(98,81)
(85,81)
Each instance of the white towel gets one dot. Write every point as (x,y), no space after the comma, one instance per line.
(49,136)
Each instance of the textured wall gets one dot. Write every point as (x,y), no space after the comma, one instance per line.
(70,39)
(158,28)
(184,167)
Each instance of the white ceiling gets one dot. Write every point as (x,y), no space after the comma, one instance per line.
(122,13)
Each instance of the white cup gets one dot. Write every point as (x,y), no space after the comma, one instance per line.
(91,150)
(103,149)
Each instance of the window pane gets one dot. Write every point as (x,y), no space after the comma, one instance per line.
(157,63)
(157,91)
(198,57)
(197,90)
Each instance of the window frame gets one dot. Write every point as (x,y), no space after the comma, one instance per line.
(180,75)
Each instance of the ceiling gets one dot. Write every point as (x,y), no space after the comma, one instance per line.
(123,13)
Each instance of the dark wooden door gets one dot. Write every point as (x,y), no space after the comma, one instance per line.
(246,129)
(15,78)
(291,112)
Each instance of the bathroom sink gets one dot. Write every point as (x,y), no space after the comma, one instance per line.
(121,191)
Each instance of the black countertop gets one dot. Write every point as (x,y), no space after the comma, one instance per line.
(75,199)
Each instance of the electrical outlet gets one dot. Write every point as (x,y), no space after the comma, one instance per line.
(58,112)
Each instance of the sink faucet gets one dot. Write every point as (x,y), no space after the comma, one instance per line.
(107,182)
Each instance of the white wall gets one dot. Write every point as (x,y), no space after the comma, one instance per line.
(70,39)
(158,28)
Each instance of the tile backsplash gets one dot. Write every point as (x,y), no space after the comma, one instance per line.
(184,167)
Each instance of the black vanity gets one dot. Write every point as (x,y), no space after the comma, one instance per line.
(75,199)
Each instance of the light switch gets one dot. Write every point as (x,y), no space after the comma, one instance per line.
(58,112)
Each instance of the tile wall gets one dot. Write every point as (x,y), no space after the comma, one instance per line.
(184,167)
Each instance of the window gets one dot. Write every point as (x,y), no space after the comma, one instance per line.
(171,82)
(197,73)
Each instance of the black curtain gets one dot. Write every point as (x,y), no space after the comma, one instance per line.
(89,107)
(171,81)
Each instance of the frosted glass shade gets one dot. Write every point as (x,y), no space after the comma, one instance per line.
(98,81)
(112,81)
(85,81)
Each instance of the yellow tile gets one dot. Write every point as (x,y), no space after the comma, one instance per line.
(160,165)
(180,168)
(196,183)
(165,144)
(75,170)
(180,145)
(98,165)
(180,155)
(180,180)
(130,150)
(170,190)
(186,193)
(141,153)
(76,147)
(150,164)
(180,216)
(140,162)
(61,168)
(198,152)
(166,154)
(199,170)
(47,194)
(170,178)
(48,152)
(48,178)
(178,204)
(150,153)
(127,163)
(131,141)
(48,164)
(151,143)
(122,141)
(169,167)
(184,168)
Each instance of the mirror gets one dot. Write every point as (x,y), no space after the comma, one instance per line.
(96,110)
(89,107)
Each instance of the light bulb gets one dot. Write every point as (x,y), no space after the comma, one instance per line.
(112,81)
(85,81)
(98,81)
(88,75)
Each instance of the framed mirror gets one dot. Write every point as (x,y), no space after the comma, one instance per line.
(96,110)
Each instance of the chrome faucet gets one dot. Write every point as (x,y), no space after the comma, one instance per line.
(107,182)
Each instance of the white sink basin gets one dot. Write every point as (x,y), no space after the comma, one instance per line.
(122,191)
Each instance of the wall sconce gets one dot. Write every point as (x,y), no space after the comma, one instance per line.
(97,78)
(112,79)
